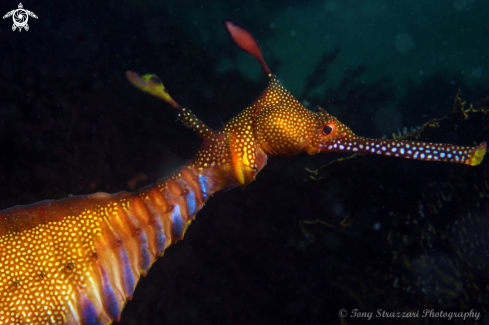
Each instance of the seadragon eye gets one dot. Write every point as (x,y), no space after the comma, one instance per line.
(327,130)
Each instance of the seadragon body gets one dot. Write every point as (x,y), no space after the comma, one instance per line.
(78,260)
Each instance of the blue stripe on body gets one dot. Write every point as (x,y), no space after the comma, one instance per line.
(160,234)
(127,276)
(176,222)
(144,250)
(88,313)
(203,186)
(108,296)
(191,203)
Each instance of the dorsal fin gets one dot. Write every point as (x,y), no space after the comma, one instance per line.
(245,40)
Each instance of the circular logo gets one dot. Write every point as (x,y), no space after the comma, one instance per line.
(20,18)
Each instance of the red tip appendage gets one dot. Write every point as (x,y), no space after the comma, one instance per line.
(247,42)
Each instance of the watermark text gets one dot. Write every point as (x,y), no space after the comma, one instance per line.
(424,313)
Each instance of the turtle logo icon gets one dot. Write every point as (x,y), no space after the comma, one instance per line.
(20,17)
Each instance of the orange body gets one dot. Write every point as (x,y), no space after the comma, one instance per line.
(78,260)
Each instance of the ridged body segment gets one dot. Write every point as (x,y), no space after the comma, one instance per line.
(77,260)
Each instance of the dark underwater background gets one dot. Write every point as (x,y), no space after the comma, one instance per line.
(396,235)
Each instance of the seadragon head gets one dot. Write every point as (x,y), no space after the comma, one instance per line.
(277,124)
(284,127)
